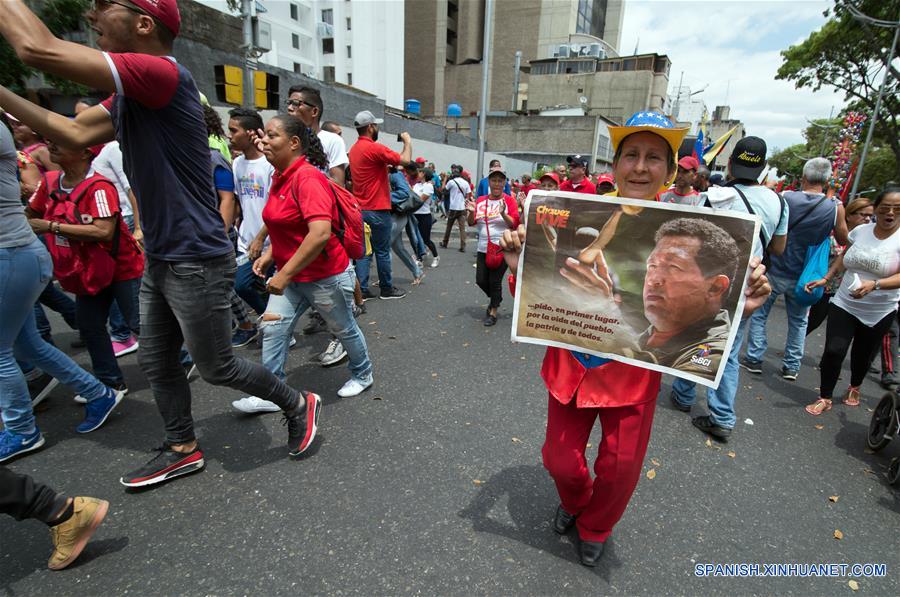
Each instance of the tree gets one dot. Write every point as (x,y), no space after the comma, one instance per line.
(789,161)
(852,56)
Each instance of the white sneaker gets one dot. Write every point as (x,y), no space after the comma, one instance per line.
(293,342)
(419,264)
(252,405)
(334,354)
(435,261)
(355,387)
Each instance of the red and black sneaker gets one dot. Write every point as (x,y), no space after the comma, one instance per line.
(303,423)
(167,464)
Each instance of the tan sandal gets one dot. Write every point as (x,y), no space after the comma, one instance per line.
(819,406)
(852,397)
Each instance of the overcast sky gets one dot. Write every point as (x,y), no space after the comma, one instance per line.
(718,41)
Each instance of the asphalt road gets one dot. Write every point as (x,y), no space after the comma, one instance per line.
(432,483)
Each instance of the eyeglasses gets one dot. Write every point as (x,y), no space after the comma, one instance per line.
(865,216)
(101,5)
(295,103)
(883,209)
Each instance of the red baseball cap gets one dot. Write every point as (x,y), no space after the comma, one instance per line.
(165,11)
(420,160)
(689,162)
(551,175)
(606,177)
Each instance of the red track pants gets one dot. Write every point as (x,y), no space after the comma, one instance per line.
(599,504)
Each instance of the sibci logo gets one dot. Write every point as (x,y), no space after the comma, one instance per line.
(750,157)
(701,358)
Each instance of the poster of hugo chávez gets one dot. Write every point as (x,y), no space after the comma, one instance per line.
(655,285)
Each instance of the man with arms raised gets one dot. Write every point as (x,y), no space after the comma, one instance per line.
(155,114)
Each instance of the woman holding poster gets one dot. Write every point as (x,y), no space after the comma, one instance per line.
(583,388)
(494,213)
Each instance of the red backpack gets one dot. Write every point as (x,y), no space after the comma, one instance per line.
(82,268)
(349,228)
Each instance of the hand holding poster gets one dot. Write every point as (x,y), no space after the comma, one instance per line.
(655,285)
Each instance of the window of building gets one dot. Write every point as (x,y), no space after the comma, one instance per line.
(349,52)
(328,45)
(349,78)
(645,63)
(295,12)
(295,41)
(297,68)
(328,74)
(328,16)
(629,64)
(348,23)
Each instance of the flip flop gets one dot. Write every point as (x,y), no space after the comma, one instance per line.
(818,407)
(852,397)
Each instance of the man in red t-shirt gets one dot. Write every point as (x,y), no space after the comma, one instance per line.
(682,192)
(578,181)
(369,162)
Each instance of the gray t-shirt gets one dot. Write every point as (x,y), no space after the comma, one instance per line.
(14,228)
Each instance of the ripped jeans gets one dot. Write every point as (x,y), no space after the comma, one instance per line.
(332,297)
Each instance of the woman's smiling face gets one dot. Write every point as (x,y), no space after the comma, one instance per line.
(643,165)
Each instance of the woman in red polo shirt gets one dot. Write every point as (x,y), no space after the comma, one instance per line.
(311,262)
(584,388)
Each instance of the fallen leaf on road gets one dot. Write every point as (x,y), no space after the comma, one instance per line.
(372,322)
(732,455)
(443,333)
(869,471)
(651,473)
(838,534)
(833,498)
(440,316)
(820,426)
(748,421)
(434,375)
(708,443)
(868,451)
(654,462)
(465,344)
(477,482)
(759,397)
(516,440)
(522,358)
(392,337)
(853,585)
(868,409)
(377,398)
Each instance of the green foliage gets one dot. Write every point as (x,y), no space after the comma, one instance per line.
(14,72)
(789,161)
(852,56)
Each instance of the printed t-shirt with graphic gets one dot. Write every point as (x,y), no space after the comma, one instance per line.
(673,196)
(252,181)
(369,161)
(159,124)
(335,150)
(488,219)
(459,188)
(872,259)
(424,188)
(100,201)
(300,195)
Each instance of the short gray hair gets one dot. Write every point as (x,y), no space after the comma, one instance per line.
(817,171)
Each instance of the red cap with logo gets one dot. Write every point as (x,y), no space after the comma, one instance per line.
(606,177)
(165,11)
(689,162)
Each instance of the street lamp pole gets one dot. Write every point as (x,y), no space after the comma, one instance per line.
(485,78)
(865,150)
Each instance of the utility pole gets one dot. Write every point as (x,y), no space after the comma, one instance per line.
(677,107)
(515,97)
(485,77)
(248,12)
(874,119)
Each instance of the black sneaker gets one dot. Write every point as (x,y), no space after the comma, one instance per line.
(167,464)
(706,425)
(563,521)
(789,374)
(685,408)
(303,424)
(750,365)
(316,324)
(392,293)
(368,295)
(490,320)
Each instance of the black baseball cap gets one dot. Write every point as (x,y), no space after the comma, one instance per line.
(577,160)
(748,159)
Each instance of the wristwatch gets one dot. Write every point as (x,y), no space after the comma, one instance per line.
(877,284)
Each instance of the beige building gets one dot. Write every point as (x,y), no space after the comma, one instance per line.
(720,124)
(444,46)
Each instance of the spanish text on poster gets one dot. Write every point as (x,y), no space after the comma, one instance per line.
(655,285)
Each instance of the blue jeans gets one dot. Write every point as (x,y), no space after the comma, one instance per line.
(119,329)
(188,302)
(721,400)
(93,311)
(415,236)
(381,225)
(399,223)
(797,315)
(332,298)
(24,273)
(249,287)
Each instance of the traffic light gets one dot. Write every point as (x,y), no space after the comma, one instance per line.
(229,84)
(265,90)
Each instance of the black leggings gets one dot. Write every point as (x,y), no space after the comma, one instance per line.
(425,221)
(490,280)
(22,497)
(842,329)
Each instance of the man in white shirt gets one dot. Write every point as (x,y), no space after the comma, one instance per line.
(459,190)
(306,104)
